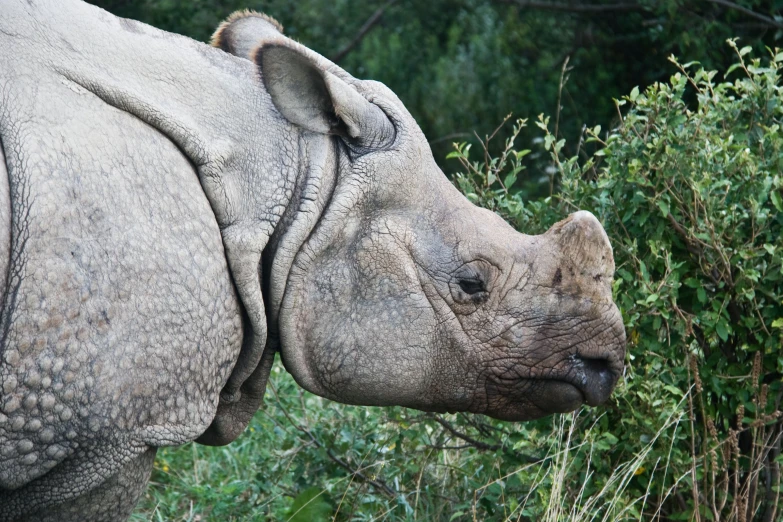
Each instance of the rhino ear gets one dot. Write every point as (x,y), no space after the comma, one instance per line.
(310,96)
(240,33)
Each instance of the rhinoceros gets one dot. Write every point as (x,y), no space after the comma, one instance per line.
(172,214)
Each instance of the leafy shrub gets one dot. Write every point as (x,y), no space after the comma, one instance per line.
(689,188)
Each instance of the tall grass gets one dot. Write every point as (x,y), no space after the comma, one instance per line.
(306,458)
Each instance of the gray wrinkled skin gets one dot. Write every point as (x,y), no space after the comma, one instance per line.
(171,214)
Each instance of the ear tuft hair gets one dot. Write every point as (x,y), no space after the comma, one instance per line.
(219,38)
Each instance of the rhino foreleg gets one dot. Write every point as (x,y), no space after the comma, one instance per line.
(117,478)
(113,500)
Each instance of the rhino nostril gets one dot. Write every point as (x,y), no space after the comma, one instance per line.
(598,379)
(596,366)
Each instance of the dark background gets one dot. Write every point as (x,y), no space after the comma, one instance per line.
(460,66)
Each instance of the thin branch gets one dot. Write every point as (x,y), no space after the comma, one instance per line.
(369,24)
(576,7)
(629,6)
(378,484)
(460,447)
(452,136)
(693,248)
(758,16)
(473,442)
(773,479)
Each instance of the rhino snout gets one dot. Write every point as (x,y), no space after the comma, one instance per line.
(565,345)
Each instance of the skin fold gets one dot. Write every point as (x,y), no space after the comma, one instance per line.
(173,214)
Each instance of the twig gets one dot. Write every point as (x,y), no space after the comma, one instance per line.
(563,80)
(369,24)
(451,136)
(693,248)
(773,482)
(555,152)
(748,12)
(627,7)
(378,484)
(443,447)
(470,440)
(576,7)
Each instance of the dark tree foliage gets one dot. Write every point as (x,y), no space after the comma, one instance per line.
(461,65)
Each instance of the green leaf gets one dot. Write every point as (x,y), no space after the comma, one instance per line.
(634,94)
(309,506)
(777,323)
(701,294)
(732,68)
(776,200)
(673,389)
(722,330)
(664,206)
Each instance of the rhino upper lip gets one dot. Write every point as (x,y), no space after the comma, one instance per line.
(519,380)
(593,393)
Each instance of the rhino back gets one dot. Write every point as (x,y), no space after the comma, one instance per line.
(119,321)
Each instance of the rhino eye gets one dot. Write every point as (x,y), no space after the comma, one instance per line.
(470,282)
(472,286)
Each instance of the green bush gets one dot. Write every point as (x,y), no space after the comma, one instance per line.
(460,65)
(689,188)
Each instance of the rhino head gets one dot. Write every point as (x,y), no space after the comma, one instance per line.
(386,286)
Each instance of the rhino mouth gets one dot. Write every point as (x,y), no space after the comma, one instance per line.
(517,397)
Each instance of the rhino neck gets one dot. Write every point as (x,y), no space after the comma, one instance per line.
(316,180)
